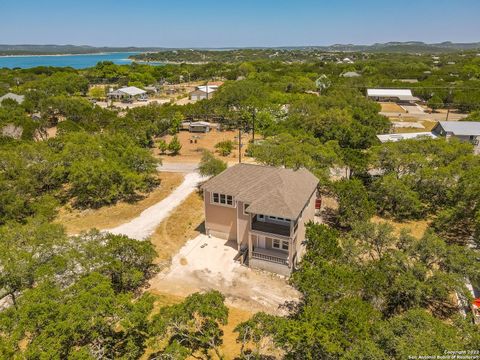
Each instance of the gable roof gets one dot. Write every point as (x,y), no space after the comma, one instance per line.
(18,98)
(207,89)
(130,90)
(461,128)
(268,190)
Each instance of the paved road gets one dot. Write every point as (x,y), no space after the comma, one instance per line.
(145,224)
(180,167)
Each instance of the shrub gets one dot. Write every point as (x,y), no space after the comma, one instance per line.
(224,148)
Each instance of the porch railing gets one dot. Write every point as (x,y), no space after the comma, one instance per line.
(270,258)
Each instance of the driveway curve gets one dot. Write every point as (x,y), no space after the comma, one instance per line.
(144,225)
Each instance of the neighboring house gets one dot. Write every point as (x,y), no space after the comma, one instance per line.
(18,98)
(405,136)
(351,74)
(199,126)
(128,93)
(203,92)
(462,130)
(264,211)
(395,95)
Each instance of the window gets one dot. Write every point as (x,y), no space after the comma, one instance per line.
(280,244)
(281,219)
(245,207)
(222,199)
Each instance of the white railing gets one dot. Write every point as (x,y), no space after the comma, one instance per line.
(269,258)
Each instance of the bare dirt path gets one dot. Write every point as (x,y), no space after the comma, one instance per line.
(144,225)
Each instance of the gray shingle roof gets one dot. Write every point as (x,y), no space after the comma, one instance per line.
(268,190)
(461,128)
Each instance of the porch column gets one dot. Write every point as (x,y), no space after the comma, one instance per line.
(250,247)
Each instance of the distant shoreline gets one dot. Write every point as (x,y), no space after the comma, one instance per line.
(82,54)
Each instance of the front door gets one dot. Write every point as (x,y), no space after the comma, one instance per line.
(261,242)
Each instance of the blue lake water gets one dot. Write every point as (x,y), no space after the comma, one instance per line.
(74,61)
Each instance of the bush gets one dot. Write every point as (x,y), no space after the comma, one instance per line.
(224,148)
(162,146)
(211,166)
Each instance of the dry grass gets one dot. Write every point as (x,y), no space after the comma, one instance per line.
(230,348)
(428,126)
(184,223)
(417,228)
(392,107)
(108,217)
(192,152)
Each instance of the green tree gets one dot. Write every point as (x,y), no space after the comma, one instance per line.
(395,199)
(435,102)
(353,201)
(210,165)
(174,146)
(191,328)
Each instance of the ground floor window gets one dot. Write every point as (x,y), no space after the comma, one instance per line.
(280,244)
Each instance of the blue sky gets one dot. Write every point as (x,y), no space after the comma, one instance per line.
(215,23)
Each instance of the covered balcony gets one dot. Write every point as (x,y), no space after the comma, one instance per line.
(271,227)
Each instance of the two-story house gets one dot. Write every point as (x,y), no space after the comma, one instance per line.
(264,210)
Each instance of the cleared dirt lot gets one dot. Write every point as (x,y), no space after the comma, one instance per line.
(207,263)
(391,107)
(192,152)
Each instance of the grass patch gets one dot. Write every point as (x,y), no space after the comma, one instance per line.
(417,228)
(392,107)
(184,223)
(230,348)
(108,217)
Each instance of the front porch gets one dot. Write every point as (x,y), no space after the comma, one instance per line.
(270,260)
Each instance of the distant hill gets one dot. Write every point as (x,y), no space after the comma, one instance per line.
(389,47)
(407,47)
(66,49)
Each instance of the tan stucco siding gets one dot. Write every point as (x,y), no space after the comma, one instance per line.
(220,221)
(243,226)
(308,214)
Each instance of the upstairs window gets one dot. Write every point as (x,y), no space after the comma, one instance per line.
(222,199)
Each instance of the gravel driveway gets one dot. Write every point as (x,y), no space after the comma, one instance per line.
(144,225)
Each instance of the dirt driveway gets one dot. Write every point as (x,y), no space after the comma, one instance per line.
(144,225)
(207,263)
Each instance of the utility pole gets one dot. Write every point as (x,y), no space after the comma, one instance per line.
(253,125)
(239,145)
(450,99)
